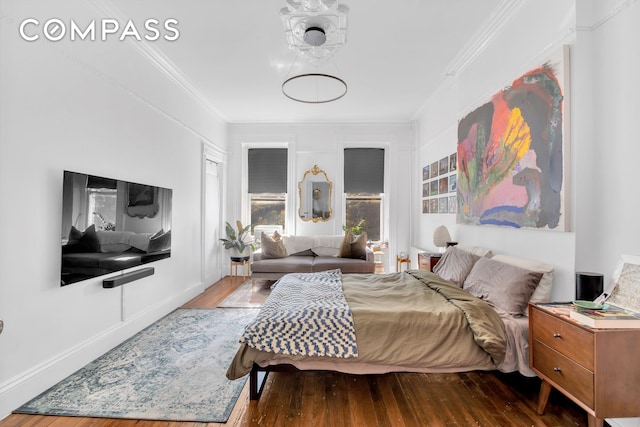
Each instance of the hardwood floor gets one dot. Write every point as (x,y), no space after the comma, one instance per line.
(334,399)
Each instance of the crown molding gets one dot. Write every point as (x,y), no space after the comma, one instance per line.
(500,16)
(606,17)
(159,60)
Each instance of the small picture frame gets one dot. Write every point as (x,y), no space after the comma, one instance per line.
(433,169)
(444,165)
(425,173)
(453,183)
(453,204)
(443,204)
(425,206)
(453,162)
(443,185)
(433,205)
(433,187)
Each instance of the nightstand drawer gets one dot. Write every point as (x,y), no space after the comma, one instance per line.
(564,337)
(426,261)
(575,379)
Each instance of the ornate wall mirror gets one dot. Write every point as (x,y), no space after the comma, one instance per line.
(315,194)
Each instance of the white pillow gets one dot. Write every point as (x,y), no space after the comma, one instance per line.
(543,291)
(295,244)
(476,250)
(327,245)
(325,251)
(108,237)
(140,241)
(331,241)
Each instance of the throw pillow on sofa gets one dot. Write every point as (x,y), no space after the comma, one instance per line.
(160,241)
(272,248)
(80,241)
(354,248)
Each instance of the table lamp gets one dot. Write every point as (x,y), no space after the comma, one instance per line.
(440,238)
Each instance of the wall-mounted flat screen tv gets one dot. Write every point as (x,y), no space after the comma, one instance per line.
(110,225)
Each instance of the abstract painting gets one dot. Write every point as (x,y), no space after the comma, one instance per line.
(511,157)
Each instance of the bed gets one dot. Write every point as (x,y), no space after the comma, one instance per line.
(412,321)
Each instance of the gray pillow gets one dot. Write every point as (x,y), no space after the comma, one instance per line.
(354,248)
(272,248)
(160,241)
(455,265)
(502,285)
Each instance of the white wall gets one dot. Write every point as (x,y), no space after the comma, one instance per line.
(99,108)
(322,145)
(608,126)
(536,31)
(604,39)
(600,207)
(607,199)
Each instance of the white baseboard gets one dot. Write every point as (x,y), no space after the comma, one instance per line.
(29,384)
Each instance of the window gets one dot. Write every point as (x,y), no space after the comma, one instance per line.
(364,190)
(268,185)
(268,208)
(102,202)
(102,206)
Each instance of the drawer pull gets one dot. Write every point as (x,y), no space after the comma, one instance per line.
(557,335)
(557,370)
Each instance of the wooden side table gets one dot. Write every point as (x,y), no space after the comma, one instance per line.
(596,368)
(427,260)
(379,262)
(401,261)
(244,264)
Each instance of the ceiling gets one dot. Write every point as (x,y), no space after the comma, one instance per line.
(233,55)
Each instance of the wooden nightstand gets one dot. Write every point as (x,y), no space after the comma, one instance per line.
(427,260)
(596,368)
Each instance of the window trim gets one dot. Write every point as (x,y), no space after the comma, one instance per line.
(385,226)
(380,196)
(89,192)
(279,142)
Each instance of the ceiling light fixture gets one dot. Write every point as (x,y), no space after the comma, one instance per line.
(314,36)
(308,19)
(314,87)
(315,29)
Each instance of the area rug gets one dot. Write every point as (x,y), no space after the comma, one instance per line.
(174,370)
(248,296)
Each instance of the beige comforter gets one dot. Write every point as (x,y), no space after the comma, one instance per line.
(409,321)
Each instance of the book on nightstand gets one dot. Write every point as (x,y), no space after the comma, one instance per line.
(611,317)
(561,308)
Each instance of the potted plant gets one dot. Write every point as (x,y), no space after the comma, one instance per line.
(237,242)
(357,229)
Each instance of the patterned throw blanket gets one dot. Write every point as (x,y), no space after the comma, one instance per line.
(306,314)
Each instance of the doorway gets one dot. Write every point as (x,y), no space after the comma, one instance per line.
(211,223)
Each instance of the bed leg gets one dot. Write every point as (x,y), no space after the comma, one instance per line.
(257,379)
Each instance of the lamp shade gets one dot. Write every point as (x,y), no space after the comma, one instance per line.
(441,236)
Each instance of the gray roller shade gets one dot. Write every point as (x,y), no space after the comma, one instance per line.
(267,170)
(364,170)
(99,182)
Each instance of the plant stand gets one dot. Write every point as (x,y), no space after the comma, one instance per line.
(244,263)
